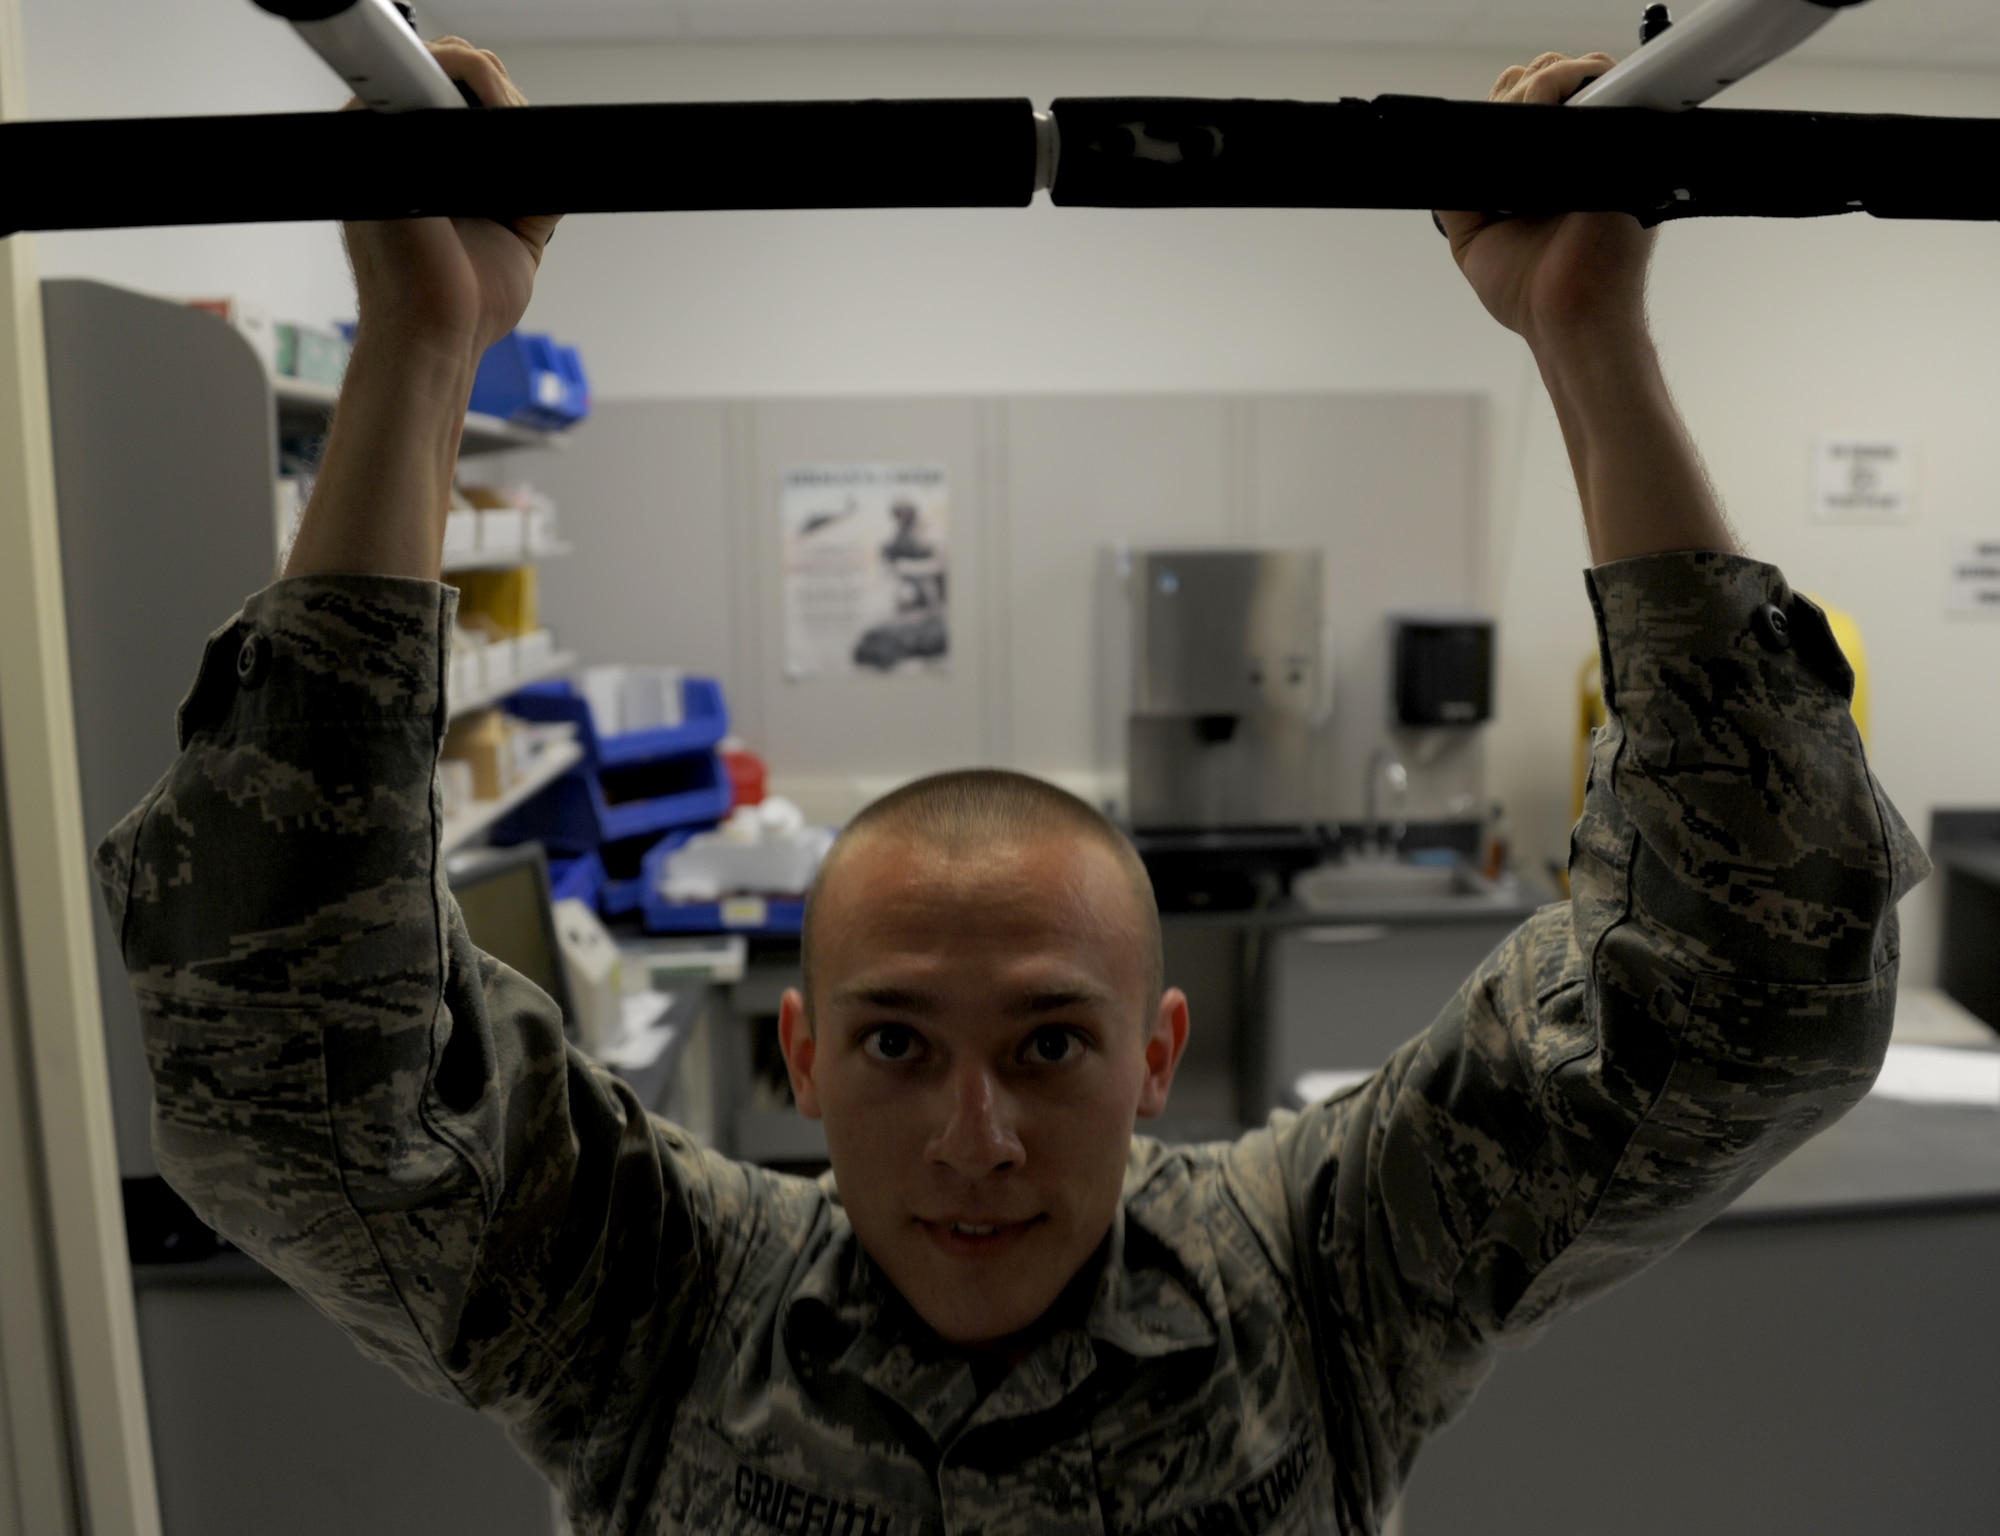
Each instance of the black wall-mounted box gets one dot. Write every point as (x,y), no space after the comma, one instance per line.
(1442,670)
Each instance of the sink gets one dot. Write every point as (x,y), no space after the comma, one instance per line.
(1380,882)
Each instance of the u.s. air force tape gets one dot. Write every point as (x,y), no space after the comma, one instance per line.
(1111,152)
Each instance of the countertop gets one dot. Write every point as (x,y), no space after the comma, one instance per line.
(1980,860)
(1883,1158)
(1515,902)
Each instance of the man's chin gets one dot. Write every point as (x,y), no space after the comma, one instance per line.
(972,1309)
(992,1326)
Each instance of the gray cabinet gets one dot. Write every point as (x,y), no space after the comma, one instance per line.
(1345,995)
(264,1418)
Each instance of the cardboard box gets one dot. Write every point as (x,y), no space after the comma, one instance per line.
(484,741)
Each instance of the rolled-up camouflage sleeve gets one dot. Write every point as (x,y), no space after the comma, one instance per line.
(1719,987)
(345,1086)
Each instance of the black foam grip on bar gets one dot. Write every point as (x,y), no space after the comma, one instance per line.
(584,159)
(1423,153)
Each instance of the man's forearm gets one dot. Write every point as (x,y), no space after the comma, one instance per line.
(378,505)
(1641,482)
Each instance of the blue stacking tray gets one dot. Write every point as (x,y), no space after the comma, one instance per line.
(704,722)
(756,916)
(578,879)
(525,377)
(623,894)
(581,811)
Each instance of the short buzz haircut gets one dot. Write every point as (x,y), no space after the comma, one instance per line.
(971,807)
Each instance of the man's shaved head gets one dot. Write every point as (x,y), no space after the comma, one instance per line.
(962,812)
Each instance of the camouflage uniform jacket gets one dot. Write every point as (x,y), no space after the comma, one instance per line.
(392,1121)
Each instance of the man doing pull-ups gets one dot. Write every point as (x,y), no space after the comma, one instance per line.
(1001,1311)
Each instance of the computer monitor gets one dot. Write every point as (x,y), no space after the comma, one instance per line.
(504,894)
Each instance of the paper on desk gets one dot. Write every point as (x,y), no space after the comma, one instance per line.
(643,1032)
(1939,1074)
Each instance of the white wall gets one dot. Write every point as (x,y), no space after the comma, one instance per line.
(144,58)
(1772,331)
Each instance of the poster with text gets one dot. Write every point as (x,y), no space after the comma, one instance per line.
(866,556)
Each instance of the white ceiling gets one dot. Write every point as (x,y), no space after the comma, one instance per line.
(1948,33)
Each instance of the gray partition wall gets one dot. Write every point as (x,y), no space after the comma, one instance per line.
(264,1418)
(166,466)
(672,507)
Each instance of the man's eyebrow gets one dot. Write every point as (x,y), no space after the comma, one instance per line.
(895,999)
(1056,999)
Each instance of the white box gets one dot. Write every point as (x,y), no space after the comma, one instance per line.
(625,699)
(463,682)
(543,534)
(461,533)
(501,532)
(533,651)
(496,665)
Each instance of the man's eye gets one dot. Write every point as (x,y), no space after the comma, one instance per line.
(1052,1045)
(891,1042)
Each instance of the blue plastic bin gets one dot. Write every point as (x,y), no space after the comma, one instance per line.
(569,363)
(578,879)
(704,722)
(625,869)
(782,915)
(583,810)
(522,378)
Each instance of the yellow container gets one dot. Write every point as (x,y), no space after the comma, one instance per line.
(504,604)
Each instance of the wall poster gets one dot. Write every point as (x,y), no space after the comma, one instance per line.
(866,558)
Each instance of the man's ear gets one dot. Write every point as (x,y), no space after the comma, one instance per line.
(795,1039)
(1164,1044)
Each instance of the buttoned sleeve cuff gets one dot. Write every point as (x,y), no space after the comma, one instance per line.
(1665,609)
(323,651)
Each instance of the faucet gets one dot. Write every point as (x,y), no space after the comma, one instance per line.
(1381,836)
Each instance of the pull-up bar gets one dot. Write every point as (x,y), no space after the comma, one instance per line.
(416,155)
(1117,152)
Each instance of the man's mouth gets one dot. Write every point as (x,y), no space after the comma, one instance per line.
(977,1239)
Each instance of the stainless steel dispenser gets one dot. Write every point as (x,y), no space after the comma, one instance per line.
(1214,660)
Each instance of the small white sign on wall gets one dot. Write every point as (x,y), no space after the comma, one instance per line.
(1862,479)
(1973,583)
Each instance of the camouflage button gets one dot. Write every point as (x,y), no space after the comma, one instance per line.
(1772,629)
(253,661)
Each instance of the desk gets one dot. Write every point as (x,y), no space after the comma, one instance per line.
(1966,848)
(266,1419)
(1822,1360)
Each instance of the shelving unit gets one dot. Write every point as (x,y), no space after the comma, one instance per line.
(558,664)
(309,405)
(498,562)
(303,409)
(164,422)
(550,765)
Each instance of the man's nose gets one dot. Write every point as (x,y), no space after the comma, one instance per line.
(978,1136)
